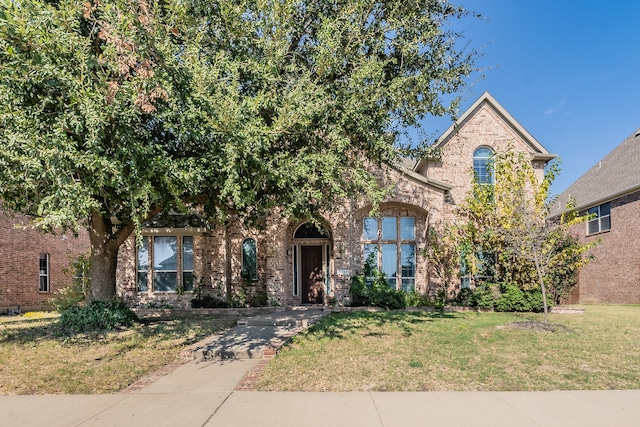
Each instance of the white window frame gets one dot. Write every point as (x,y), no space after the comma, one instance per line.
(601,222)
(44,274)
(486,161)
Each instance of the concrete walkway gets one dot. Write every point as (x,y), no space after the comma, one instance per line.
(203,392)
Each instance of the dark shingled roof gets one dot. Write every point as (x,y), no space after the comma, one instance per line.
(617,174)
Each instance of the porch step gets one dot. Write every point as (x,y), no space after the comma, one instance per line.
(257,337)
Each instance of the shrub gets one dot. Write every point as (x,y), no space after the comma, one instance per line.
(534,297)
(97,316)
(415,299)
(463,297)
(376,294)
(484,297)
(512,299)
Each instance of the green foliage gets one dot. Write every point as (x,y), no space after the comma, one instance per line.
(463,297)
(512,298)
(96,317)
(114,111)
(249,296)
(562,275)
(504,297)
(378,293)
(415,299)
(484,297)
(71,296)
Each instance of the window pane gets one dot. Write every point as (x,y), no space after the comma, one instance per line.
(187,281)
(593,226)
(249,261)
(164,253)
(408,259)
(44,284)
(605,223)
(407,228)
(408,285)
(605,209)
(594,212)
(370,258)
(390,263)
(187,253)
(143,281)
(370,229)
(165,263)
(143,255)
(482,165)
(165,281)
(389,228)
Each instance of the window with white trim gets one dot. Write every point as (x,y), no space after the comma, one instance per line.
(601,220)
(44,272)
(165,264)
(482,167)
(389,246)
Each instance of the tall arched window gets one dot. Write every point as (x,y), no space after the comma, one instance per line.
(482,168)
(249,260)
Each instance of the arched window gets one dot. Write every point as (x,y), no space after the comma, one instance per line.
(249,260)
(482,168)
(310,231)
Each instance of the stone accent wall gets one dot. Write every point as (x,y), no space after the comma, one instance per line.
(19,269)
(614,275)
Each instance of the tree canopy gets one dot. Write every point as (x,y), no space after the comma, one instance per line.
(111,112)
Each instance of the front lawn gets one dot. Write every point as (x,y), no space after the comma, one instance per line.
(34,359)
(416,351)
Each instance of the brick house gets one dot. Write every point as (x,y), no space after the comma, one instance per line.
(33,263)
(610,191)
(298,262)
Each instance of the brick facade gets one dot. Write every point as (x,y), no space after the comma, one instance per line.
(427,196)
(613,276)
(22,247)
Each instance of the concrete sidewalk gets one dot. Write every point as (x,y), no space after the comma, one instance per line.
(203,392)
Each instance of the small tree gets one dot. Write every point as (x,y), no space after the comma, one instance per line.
(507,220)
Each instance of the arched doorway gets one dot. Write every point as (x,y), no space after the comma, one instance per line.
(311,263)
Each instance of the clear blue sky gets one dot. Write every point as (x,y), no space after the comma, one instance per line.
(566,70)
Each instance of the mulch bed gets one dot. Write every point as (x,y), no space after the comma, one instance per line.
(538,326)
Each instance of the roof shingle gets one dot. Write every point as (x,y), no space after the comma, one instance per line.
(618,173)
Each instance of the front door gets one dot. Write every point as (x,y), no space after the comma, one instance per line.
(312,275)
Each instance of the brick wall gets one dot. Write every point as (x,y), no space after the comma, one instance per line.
(19,264)
(614,275)
(483,128)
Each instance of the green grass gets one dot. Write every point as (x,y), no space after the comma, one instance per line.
(413,351)
(34,359)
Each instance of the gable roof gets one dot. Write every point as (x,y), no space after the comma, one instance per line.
(538,151)
(617,174)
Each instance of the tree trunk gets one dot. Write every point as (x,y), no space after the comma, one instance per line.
(544,293)
(104,256)
(103,273)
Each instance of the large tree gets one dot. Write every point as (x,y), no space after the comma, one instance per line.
(114,111)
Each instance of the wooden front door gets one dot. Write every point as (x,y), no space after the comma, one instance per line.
(312,274)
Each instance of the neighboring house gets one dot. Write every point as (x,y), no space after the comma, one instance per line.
(299,263)
(610,191)
(34,265)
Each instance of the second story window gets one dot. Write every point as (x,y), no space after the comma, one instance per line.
(482,166)
(601,220)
